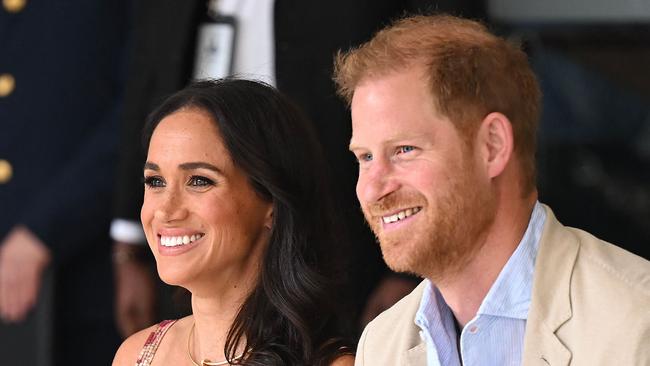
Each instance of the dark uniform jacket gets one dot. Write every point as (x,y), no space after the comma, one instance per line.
(61,62)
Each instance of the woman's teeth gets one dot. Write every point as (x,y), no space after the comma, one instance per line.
(172,241)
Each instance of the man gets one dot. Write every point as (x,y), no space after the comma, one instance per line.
(444,116)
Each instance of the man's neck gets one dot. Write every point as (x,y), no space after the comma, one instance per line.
(465,291)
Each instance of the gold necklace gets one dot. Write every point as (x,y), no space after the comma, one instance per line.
(207,362)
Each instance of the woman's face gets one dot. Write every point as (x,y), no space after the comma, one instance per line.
(205,224)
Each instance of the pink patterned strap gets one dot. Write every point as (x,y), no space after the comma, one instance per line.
(152,343)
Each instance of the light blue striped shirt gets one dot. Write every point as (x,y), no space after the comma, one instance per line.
(495,336)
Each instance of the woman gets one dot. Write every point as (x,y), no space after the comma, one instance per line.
(236,211)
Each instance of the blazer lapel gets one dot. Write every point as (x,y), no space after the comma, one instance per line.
(542,347)
(416,356)
(550,306)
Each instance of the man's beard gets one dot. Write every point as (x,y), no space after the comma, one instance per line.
(451,236)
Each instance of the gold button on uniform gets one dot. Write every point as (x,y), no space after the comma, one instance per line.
(7,84)
(5,171)
(14,6)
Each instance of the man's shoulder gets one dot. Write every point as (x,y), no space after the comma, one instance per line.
(591,296)
(609,296)
(391,333)
(603,264)
(617,267)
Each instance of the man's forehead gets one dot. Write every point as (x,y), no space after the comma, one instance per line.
(388,133)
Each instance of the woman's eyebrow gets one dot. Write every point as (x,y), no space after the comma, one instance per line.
(200,165)
(151,166)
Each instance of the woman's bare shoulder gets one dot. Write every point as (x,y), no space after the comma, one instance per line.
(130,349)
(128,352)
(345,360)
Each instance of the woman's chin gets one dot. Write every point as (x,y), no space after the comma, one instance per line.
(172,276)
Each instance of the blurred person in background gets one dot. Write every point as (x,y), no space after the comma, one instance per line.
(60,82)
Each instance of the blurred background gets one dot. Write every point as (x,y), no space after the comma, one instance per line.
(77,79)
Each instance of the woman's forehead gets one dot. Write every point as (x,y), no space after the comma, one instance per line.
(185,134)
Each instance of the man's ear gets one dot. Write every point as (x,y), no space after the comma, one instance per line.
(496,143)
(268,218)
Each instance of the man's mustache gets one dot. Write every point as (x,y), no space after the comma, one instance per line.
(393,202)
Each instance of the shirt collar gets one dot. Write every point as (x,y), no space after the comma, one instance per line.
(433,312)
(435,318)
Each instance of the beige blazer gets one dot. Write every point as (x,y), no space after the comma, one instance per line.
(590,306)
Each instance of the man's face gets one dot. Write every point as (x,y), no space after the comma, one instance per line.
(421,186)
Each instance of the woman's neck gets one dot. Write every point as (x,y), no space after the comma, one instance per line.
(213,318)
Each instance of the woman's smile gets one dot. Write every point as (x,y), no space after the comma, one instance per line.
(178,241)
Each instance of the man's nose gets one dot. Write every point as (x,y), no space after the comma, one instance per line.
(376,182)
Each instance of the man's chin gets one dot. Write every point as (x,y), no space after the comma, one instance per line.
(398,259)
(406,259)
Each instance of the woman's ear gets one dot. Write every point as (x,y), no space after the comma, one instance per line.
(268,218)
(496,142)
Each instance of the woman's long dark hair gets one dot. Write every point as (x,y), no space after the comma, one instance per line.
(290,316)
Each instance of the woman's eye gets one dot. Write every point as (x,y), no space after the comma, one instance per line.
(154,182)
(405,149)
(198,181)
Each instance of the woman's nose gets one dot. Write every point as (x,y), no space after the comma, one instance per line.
(171,207)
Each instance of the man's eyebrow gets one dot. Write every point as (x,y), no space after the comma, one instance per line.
(200,165)
(390,141)
(151,166)
(353,147)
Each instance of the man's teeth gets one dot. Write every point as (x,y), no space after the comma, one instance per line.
(400,215)
(172,241)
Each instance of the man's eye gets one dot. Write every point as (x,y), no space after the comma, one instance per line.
(405,149)
(154,182)
(198,181)
(364,157)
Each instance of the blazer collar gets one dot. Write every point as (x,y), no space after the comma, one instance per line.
(415,352)
(551,299)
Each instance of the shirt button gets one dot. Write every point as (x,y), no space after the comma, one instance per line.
(5,171)
(473,329)
(13,6)
(7,84)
